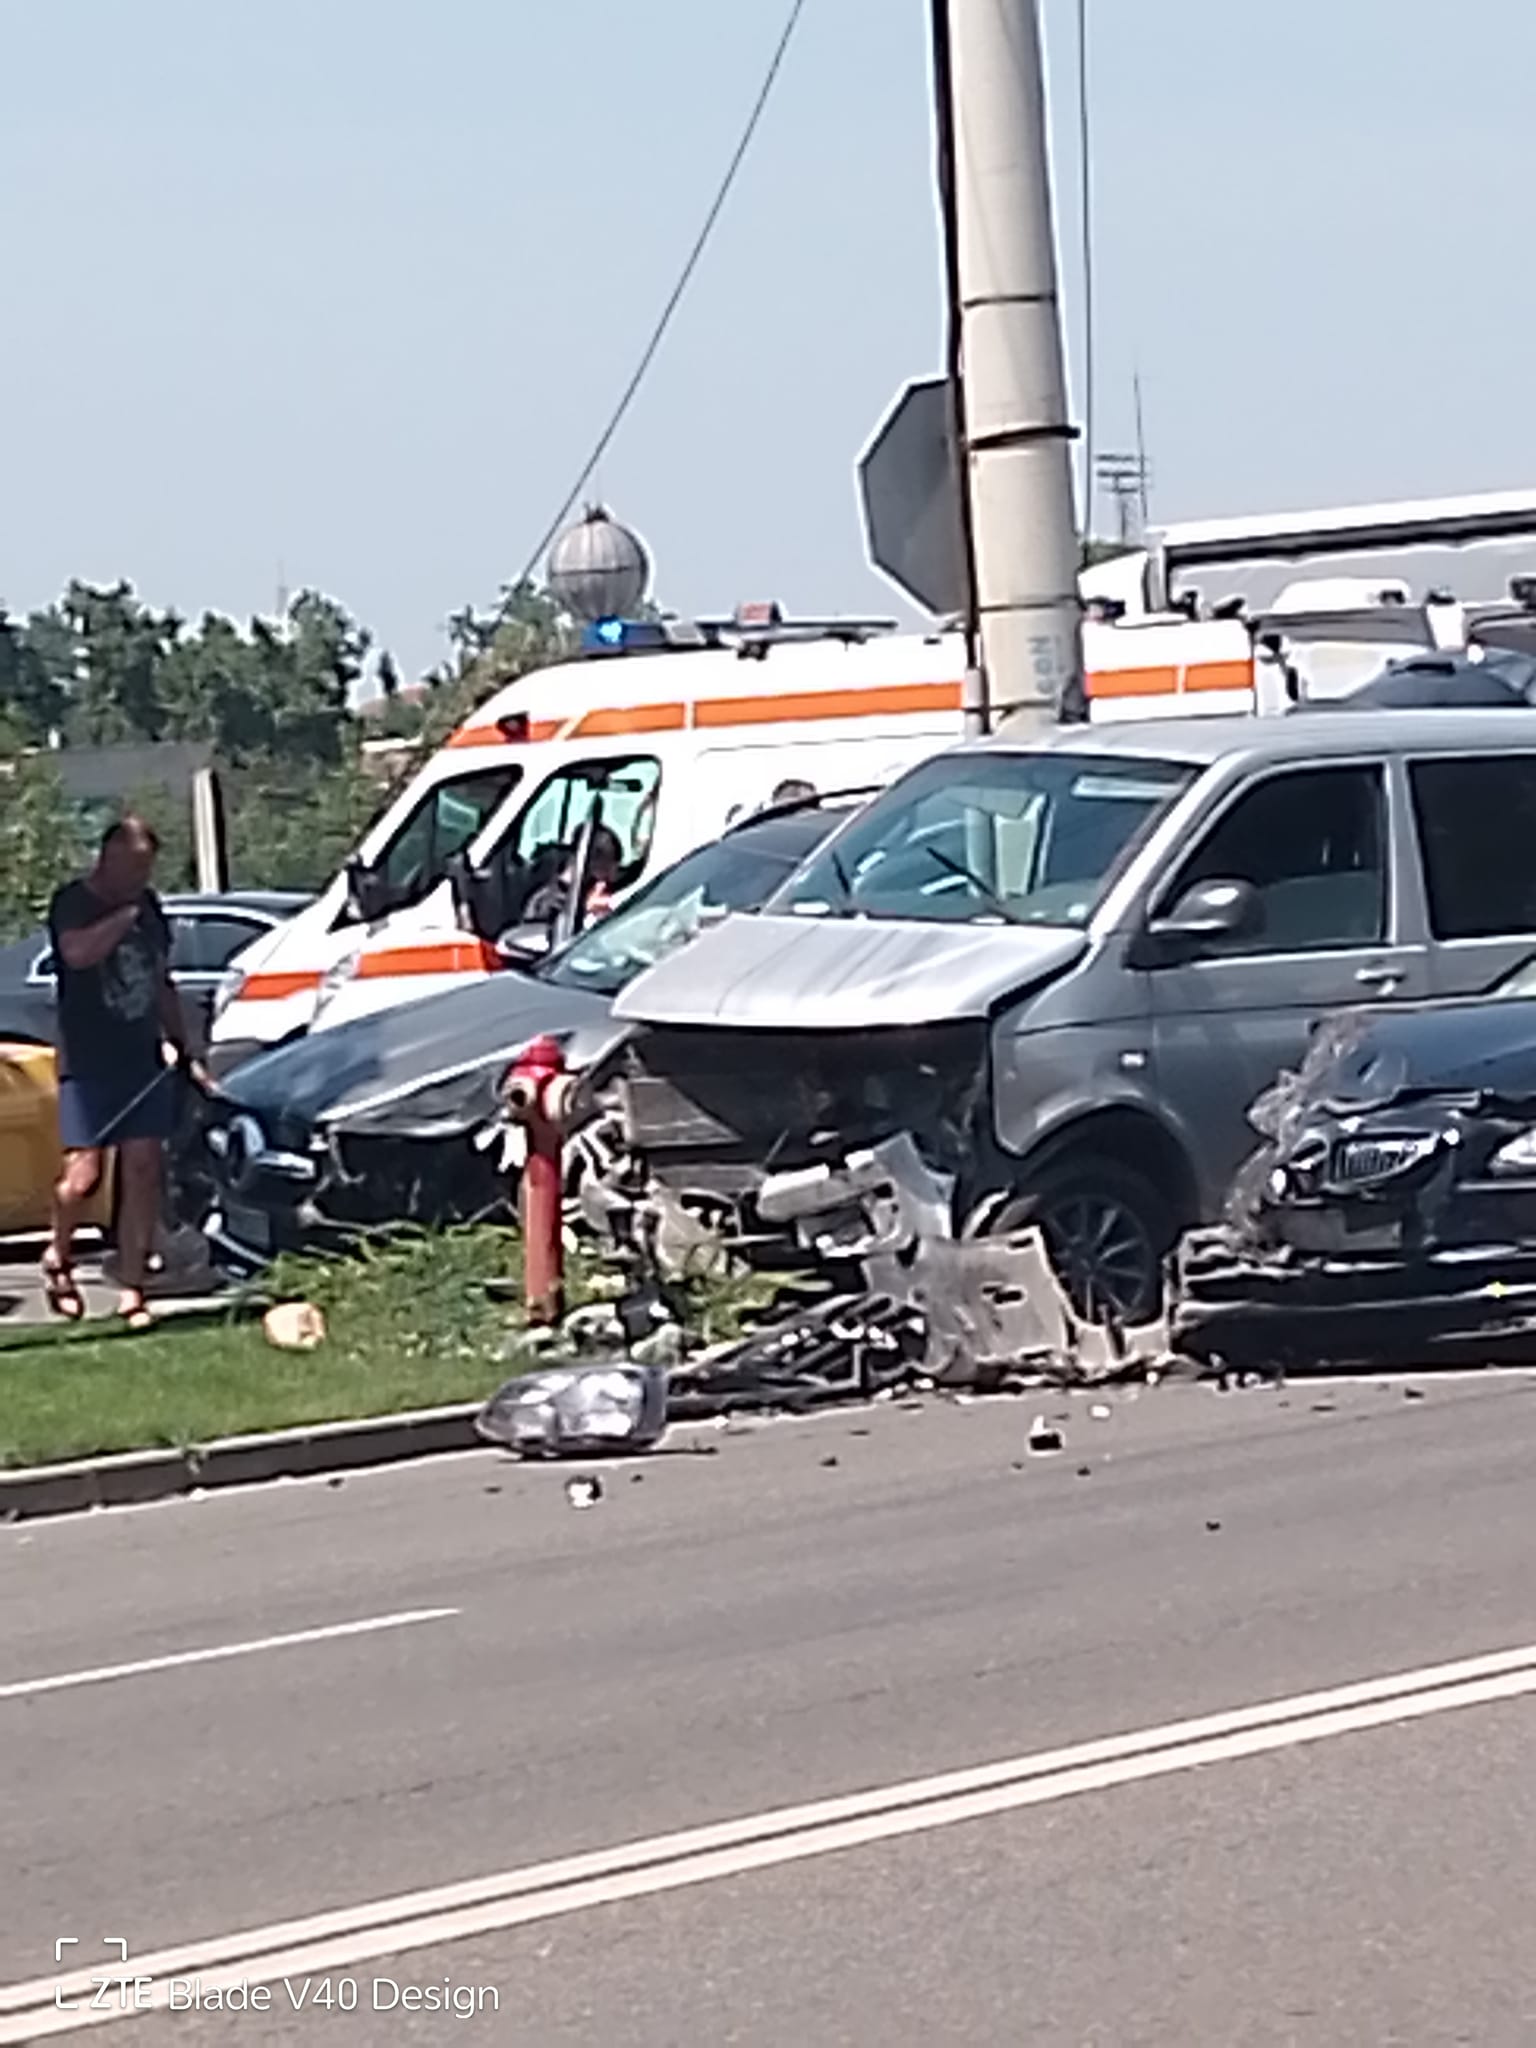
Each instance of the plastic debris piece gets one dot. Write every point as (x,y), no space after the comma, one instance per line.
(666,1345)
(831,1460)
(1211,1526)
(573,1411)
(1100,1411)
(583,1493)
(596,1327)
(1045,1440)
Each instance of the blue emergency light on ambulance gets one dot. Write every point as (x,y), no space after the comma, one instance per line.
(624,636)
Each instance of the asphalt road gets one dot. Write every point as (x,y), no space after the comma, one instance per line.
(487,1680)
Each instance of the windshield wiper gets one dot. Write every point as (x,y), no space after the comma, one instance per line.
(844,882)
(984,890)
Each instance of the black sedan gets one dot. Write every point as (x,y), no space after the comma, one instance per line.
(396,1116)
(207,934)
(1391,1213)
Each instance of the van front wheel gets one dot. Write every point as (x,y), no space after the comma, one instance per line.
(1107,1229)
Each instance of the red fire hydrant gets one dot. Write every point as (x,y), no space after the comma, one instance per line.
(538,1092)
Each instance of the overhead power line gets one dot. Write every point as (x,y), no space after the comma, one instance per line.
(675,299)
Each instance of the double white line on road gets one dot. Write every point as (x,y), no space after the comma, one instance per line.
(357,1935)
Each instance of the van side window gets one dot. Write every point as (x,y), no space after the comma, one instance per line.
(1313,844)
(450,815)
(1477,828)
(627,789)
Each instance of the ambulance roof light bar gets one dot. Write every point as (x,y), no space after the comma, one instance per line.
(750,629)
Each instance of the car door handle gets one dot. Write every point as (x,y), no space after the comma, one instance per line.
(1383,977)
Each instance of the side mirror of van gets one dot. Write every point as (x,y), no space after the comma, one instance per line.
(1205,914)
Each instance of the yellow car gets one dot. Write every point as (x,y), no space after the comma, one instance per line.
(29,1141)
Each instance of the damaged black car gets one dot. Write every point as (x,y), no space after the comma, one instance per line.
(397,1116)
(1390,1214)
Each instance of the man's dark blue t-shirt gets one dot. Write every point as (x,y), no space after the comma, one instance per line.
(109,1014)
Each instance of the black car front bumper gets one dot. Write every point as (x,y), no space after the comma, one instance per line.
(1238,1304)
(289,1189)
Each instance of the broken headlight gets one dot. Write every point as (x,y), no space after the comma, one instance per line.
(577,1410)
(1517,1157)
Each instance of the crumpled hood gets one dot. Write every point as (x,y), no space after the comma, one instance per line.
(1366,1059)
(330,1076)
(841,973)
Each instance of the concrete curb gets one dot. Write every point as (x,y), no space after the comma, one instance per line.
(136,1476)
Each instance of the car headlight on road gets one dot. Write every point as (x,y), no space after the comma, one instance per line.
(1518,1156)
(578,1410)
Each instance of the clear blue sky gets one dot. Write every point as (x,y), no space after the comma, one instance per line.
(347,285)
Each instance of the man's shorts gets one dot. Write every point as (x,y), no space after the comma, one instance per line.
(96,1113)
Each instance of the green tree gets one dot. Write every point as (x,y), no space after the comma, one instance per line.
(120,650)
(293,831)
(42,840)
(33,690)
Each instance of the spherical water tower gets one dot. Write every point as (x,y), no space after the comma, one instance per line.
(599,569)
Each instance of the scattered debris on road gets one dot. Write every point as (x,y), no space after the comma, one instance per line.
(1045,1440)
(583,1493)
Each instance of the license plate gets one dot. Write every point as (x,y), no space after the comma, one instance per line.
(248,1226)
(1326,1230)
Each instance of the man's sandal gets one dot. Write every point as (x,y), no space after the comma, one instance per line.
(60,1290)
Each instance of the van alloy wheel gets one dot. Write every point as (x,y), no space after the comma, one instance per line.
(1107,1229)
(1104,1255)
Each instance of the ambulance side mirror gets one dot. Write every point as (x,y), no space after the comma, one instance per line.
(368,892)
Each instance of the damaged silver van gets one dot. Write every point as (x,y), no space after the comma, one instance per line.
(1066,965)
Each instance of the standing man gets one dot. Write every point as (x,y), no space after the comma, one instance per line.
(117,1012)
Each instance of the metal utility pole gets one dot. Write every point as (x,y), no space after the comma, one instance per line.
(1017,436)
(1125,479)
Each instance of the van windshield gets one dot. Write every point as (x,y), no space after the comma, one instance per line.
(990,838)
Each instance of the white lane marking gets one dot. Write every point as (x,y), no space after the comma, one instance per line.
(428,1919)
(102,1674)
